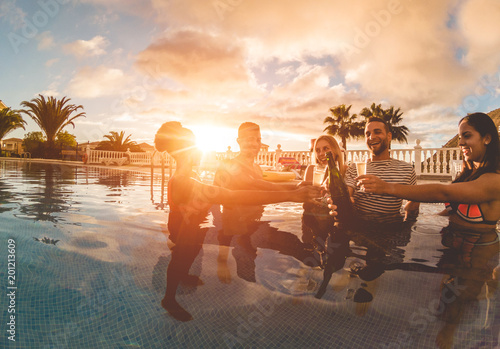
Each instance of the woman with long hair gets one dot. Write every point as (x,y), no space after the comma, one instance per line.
(473,201)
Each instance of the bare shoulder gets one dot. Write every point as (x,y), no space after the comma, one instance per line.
(492,180)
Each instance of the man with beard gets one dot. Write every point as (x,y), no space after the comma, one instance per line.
(381,208)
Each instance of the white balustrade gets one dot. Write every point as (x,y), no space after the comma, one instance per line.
(427,161)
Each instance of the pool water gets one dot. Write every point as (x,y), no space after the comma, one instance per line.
(91,256)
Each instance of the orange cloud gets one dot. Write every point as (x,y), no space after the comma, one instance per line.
(195,59)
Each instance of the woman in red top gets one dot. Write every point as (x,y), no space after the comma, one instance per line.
(189,200)
(474,209)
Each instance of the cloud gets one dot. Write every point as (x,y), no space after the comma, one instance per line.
(397,50)
(132,7)
(284,64)
(52,90)
(478,23)
(93,47)
(192,57)
(51,62)
(45,41)
(97,82)
(12,14)
(207,65)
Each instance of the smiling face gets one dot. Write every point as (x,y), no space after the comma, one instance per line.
(472,144)
(377,139)
(250,142)
(322,147)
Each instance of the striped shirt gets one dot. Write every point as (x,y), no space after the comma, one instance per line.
(381,208)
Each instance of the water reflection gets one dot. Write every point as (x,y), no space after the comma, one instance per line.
(449,291)
(50,192)
(468,272)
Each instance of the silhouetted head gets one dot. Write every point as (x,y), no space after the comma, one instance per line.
(174,139)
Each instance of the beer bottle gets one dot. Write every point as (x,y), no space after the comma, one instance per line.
(339,193)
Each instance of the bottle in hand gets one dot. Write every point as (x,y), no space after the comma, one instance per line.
(339,194)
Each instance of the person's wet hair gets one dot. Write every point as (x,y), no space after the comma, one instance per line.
(173,138)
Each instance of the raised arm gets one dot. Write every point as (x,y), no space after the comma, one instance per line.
(484,189)
(226,179)
(218,195)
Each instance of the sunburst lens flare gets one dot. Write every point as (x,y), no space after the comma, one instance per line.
(211,138)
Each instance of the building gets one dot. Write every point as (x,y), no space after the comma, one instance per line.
(2,105)
(12,146)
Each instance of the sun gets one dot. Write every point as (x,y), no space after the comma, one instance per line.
(214,138)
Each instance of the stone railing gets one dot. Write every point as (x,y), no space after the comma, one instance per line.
(427,161)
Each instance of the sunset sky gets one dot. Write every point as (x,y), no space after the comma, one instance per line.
(134,64)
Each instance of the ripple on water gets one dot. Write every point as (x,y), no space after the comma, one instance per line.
(425,229)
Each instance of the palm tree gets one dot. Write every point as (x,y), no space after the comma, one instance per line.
(52,115)
(9,121)
(343,125)
(117,141)
(392,117)
(374,110)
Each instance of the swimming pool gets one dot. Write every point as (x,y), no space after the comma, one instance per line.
(90,250)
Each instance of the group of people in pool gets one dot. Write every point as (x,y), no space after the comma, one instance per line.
(473,203)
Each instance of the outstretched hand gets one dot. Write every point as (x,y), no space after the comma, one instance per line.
(308,193)
(373,184)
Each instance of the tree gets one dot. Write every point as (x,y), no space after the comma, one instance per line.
(118,142)
(374,110)
(344,125)
(52,115)
(33,143)
(393,117)
(9,121)
(65,139)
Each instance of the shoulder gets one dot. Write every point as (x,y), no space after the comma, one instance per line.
(308,175)
(403,165)
(491,179)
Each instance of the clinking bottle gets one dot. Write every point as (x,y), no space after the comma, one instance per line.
(339,194)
